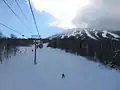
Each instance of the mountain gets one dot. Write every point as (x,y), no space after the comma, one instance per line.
(89,33)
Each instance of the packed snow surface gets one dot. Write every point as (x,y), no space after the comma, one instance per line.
(19,72)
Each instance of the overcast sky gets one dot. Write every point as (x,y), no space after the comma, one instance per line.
(54,16)
(101,14)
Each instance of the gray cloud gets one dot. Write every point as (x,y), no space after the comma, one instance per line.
(101,14)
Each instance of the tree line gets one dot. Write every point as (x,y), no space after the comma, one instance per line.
(10,45)
(106,51)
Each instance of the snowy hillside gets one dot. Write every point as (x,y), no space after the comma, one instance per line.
(19,73)
(90,33)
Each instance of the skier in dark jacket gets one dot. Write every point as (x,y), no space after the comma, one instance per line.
(63,75)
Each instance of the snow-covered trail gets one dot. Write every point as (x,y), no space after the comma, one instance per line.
(20,73)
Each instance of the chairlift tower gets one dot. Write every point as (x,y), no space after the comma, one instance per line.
(35,37)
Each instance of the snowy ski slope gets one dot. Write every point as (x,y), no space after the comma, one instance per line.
(19,73)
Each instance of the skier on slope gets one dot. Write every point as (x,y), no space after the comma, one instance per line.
(63,76)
